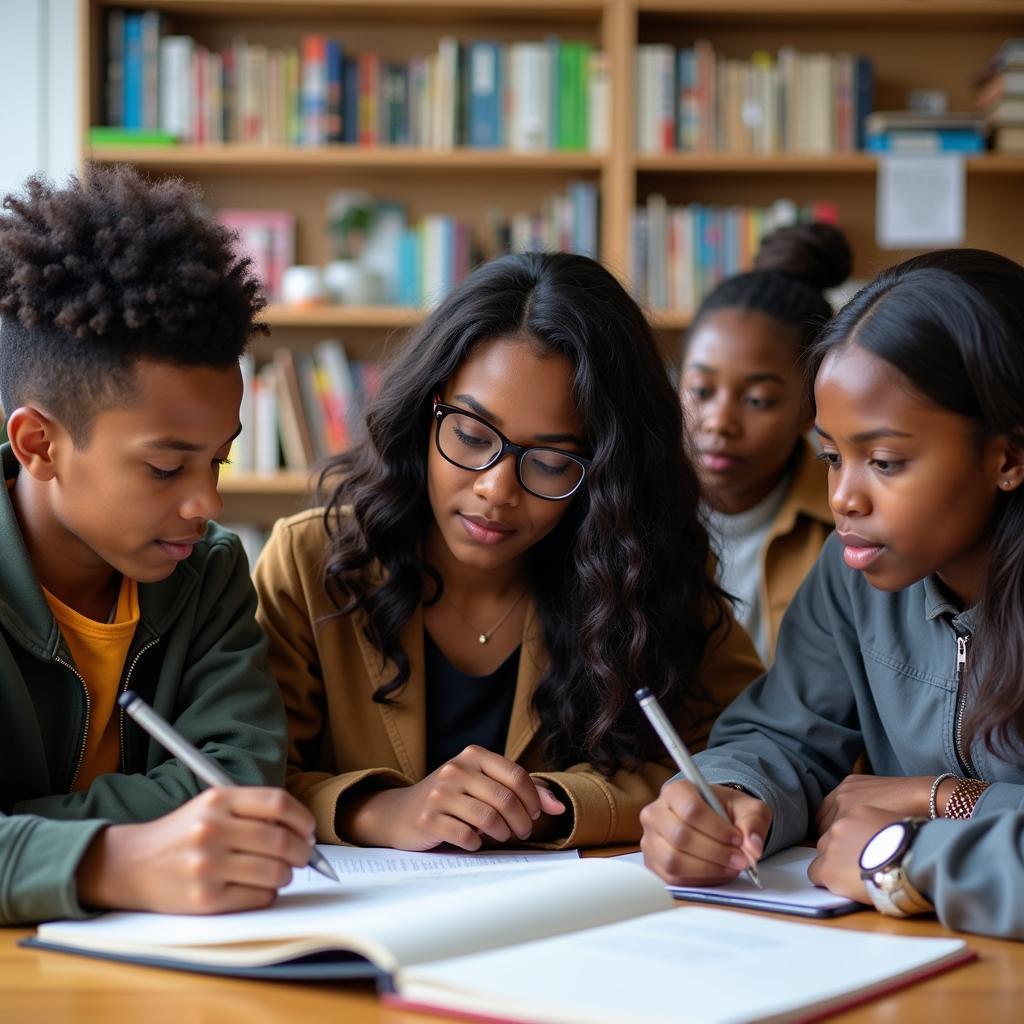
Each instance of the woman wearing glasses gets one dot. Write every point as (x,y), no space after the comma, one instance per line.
(512,550)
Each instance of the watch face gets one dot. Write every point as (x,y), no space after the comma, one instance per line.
(883,846)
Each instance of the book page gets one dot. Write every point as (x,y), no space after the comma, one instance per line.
(681,965)
(390,926)
(784,880)
(366,867)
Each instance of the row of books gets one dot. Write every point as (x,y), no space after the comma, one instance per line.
(680,253)
(694,99)
(300,407)
(439,252)
(416,264)
(530,96)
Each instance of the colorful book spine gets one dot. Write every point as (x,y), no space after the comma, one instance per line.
(133,72)
(314,90)
(485,95)
(335,116)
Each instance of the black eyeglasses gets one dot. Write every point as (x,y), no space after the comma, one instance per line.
(469,442)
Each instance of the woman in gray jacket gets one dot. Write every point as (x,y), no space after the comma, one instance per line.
(906,642)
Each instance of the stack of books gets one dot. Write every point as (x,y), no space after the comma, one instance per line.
(527,96)
(681,252)
(1001,97)
(919,131)
(695,99)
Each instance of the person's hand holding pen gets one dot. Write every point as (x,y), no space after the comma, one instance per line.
(686,843)
(694,833)
(230,848)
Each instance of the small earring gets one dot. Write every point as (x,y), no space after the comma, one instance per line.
(1006,483)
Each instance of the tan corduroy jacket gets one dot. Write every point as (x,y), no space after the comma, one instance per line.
(800,528)
(338,736)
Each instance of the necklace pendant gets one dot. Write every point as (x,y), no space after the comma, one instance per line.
(483,638)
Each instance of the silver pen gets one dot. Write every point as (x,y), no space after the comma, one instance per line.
(686,765)
(195,760)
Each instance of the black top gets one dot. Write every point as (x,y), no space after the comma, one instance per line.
(464,709)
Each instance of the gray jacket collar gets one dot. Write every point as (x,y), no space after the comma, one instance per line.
(937,602)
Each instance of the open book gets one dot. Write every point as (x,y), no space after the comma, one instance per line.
(589,941)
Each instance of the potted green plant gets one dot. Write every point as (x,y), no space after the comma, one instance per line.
(350,218)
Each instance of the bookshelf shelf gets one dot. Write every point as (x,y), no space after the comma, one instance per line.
(283,483)
(669,319)
(428,10)
(884,13)
(380,317)
(795,163)
(231,157)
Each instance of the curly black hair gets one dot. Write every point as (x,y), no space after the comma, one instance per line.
(621,585)
(108,270)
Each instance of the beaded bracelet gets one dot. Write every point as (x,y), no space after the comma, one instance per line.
(933,811)
(964,798)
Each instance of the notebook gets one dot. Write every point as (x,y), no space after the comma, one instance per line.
(700,965)
(786,888)
(592,941)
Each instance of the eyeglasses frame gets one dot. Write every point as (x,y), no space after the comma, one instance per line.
(443,409)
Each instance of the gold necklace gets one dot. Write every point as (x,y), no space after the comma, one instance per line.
(483,638)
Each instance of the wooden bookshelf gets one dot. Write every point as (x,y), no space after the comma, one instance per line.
(913,43)
(233,157)
(326,316)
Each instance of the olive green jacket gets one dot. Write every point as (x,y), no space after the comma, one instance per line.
(197,656)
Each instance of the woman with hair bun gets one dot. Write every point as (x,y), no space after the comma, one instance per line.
(748,407)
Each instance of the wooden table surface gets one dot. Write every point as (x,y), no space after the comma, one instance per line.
(47,988)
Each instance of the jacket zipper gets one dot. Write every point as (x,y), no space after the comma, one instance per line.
(124,687)
(88,714)
(88,706)
(961,665)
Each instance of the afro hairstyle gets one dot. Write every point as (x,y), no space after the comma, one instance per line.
(109,270)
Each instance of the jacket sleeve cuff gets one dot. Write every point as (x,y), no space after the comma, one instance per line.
(323,796)
(595,816)
(971,870)
(38,865)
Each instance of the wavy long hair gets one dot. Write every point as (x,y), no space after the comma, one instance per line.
(952,323)
(621,585)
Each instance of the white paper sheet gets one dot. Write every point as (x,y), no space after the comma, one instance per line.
(920,201)
(369,867)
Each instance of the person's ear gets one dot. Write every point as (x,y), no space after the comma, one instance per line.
(33,436)
(1011,465)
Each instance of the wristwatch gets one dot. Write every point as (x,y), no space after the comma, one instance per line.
(883,866)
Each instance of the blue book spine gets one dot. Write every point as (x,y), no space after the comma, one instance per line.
(133,71)
(350,100)
(863,95)
(485,95)
(335,91)
(685,84)
(925,141)
(408,269)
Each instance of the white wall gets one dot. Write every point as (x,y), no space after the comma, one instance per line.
(39,89)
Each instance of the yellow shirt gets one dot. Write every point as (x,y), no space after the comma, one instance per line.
(100,650)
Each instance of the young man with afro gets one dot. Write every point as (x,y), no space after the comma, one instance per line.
(123,313)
